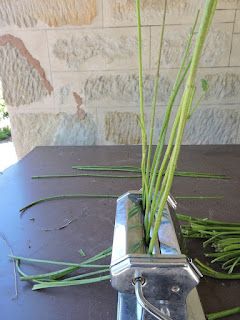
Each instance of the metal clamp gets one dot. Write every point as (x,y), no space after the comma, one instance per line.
(138,283)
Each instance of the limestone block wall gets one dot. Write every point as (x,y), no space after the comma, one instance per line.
(69,70)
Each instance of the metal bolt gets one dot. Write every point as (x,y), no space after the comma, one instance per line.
(175,289)
(140,279)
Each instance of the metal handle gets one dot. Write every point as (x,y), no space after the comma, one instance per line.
(147,305)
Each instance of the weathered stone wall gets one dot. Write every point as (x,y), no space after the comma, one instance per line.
(69,70)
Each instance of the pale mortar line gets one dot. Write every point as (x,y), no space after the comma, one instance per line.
(129,70)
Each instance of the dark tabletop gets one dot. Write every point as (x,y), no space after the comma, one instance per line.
(93,228)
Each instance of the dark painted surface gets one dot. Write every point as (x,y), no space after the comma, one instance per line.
(93,229)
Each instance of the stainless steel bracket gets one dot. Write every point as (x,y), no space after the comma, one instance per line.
(150,286)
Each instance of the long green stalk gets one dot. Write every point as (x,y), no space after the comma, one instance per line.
(56,284)
(69,196)
(215,274)
(108,168)
(86,275)
(155,93)
(141,98)
(223,314)
(210,8)
(61,263)
(224,237)
(187,174)
(155,198)
(157,155)
(110,176)
(177,85)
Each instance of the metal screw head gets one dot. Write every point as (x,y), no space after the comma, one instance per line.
(140,279)
(175,289)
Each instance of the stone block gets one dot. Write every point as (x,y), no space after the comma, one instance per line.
(217,49)
(213,126)
(224,16)
(122,128)
(54,13)
(235,53)
(223,84)
(24,80)
(174,43)
(98,49)
(122,13)
(215,53)
(109,88)
(120,125)
(65,85)
(30,130)
(227,4)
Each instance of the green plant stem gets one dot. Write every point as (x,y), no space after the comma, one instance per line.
(87,175)
(205,221)
(69,283)
(155,94)
(215,274)
(185,105)
(168,179)
(62,263)
(235,263)
(199,197)
(141,98)
(136,176)
(63,272)
(69,196)
(179,80)
(135,169)
(223,314)
(108,168)
(160,174)
(50,275)
(86,275)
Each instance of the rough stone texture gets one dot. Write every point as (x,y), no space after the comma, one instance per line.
(69,69)
(224,85)
(30,130)
(122,128)
(23,79)
(121,12)
(97,50)
(235,54)
(216,51)
(228,4)
(223,16)
(54,13)
(122,89)
(108,89)
(212,126)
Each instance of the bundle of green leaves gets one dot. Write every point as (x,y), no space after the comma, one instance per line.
(222,237)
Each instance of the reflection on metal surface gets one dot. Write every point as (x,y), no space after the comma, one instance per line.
(168,275)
